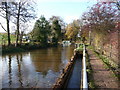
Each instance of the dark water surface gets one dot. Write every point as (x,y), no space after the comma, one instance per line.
(75,79)
(37,68)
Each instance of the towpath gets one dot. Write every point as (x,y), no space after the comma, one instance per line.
(103,77)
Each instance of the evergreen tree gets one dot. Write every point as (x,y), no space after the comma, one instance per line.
(41,30)
(56,31)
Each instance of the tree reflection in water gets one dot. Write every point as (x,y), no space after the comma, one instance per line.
(10,71)
(38,68)
(19,69)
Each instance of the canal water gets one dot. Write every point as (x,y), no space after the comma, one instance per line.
(37,68)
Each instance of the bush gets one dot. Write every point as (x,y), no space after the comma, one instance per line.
(80,48)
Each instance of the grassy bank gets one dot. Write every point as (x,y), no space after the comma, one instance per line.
(80,48)
(4,38)
(109,64)
(12,50)
(23,48)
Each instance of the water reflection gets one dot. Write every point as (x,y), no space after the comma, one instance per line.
(48,59)
(19,69)
(38,68)
(10,70)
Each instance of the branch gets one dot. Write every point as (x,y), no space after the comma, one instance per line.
(3,27)
(2,16)
(118,5)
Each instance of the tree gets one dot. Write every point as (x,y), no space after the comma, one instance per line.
(101,19)
(56,30)
(20,12)
(85,32)
(73,29)
(41,30)
(23,29)
(118,4)
(102,16)
(23,12)
(6,13)
(61,23)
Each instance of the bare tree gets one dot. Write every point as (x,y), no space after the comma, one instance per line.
(5,13)
(23,12)
(24,27)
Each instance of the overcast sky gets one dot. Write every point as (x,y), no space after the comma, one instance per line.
(68,10)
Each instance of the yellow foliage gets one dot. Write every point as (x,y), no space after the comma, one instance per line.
(72,30)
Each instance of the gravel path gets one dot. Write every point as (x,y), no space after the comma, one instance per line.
(103,77)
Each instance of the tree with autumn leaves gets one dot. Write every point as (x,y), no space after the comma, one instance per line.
(72,30)
(101,20)
(100,27)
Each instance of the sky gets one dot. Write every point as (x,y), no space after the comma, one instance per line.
(68,10)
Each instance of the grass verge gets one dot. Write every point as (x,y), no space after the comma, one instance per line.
(109,64)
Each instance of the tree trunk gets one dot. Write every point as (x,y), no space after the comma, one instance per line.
(8,29)
(17,33)
(18,18)
(21,36)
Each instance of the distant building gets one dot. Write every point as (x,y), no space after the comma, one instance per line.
(25,38)
(66,43)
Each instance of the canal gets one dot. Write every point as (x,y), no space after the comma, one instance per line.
(37,68)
